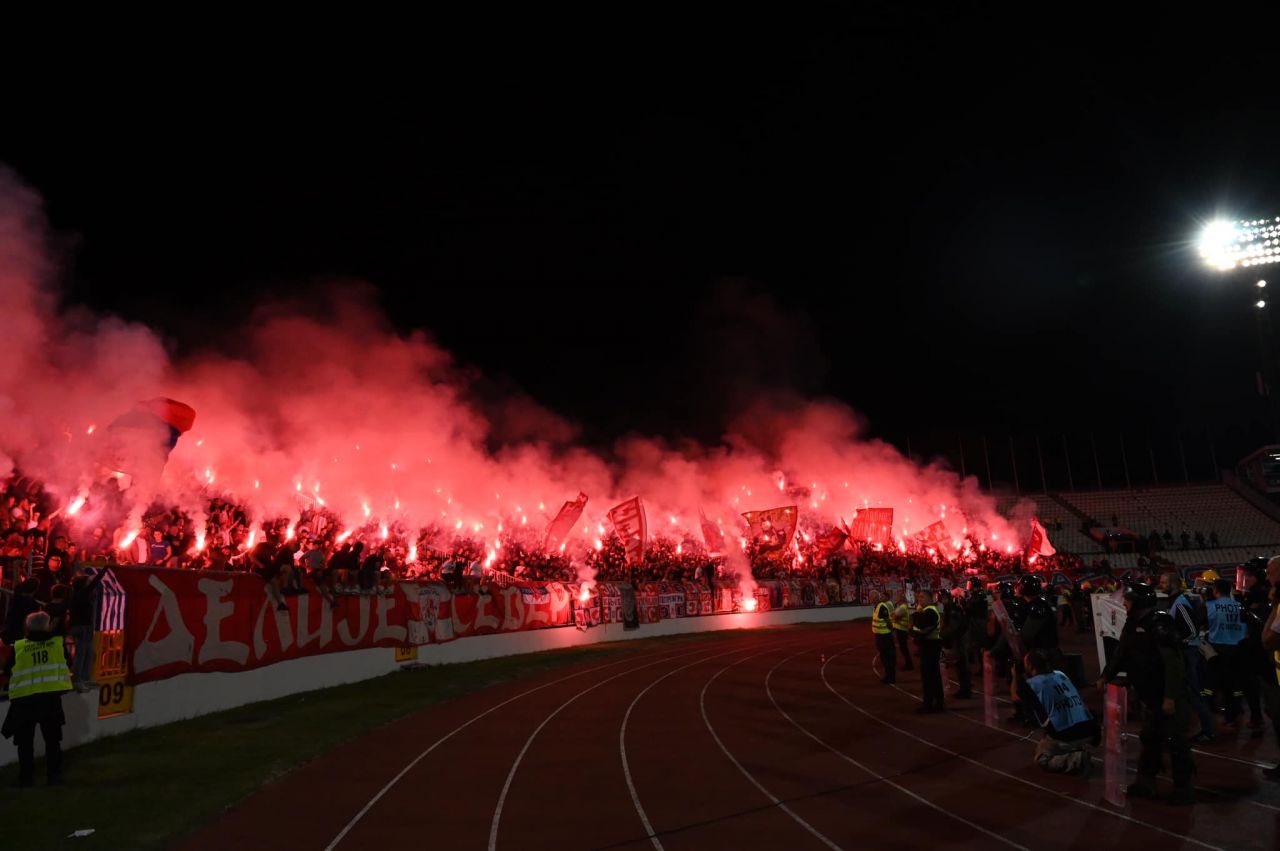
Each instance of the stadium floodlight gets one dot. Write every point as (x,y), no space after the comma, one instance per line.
(1261,303)
(1227,245)
(1261,284)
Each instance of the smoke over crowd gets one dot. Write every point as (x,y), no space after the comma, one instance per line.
(326,407)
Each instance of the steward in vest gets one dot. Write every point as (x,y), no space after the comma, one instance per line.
(1068,727)
(925,628)
(882,629)
(38,676)
(1150,653)
(1227,630)
(902,627)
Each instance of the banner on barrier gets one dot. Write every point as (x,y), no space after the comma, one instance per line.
(185,621)
(446,616)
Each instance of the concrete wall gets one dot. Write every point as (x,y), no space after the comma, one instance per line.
(189,695)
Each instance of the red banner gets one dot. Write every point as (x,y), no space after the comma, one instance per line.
(936,536)
(184,621)
(629,522)
(559,529)
(446,616)
(874,525)
(773,528)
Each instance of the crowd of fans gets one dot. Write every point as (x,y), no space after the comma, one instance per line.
(316,551)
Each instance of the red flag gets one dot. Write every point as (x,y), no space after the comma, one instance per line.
(629,522)
(874,525)
(936,535)
(711,533)
(1039,544)
(773,528)
(832,540)
(559,529)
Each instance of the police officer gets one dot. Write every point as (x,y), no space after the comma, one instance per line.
(955,637)
(926,625)
(1226,631)
(882,629)
(1039,628)
(901,628)
(38,675)
(1255,663)
(976,608)
(1150,653)
(1186,620)
(1271,644)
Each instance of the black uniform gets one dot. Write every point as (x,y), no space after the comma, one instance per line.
(924,623)
(1039,629)
(1150,653)
(955,637)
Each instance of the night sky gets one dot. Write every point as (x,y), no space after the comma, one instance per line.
(956,234)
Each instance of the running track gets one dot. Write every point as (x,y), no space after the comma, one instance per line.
(762,740)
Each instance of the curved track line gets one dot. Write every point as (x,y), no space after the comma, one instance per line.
(440,741)
(515,766)
(622,742)
(994,770)
(702,705)
(882,778)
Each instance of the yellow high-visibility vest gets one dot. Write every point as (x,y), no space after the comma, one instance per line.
(936,633)
(38,666)
(880,619)
(902,617)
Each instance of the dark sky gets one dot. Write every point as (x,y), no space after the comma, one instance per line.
(956,233)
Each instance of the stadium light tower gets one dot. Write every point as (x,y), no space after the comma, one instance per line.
(1228,246)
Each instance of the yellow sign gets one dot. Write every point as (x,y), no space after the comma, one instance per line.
(407,654)
(115,697)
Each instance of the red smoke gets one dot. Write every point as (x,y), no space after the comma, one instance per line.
(330,405)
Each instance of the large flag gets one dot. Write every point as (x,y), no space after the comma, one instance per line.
(559,528)
(629,522)
(711,533)
(936,536)
(1039,544)
(874,525)
(773,528)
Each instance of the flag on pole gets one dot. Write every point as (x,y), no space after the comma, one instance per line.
(629,522)
(559,528)
(773,528)
(1039,544)
(711,533)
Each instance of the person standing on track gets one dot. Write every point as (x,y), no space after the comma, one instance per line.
(1150,653)
(955,637)
(1226,631)
(1186,620)
(882,629)
(1271,644)
(926,628)
(901,627)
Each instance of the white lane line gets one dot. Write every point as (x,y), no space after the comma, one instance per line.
(882,778)
(515,766)
(440,741)
(702,704)
(622,742)
(994,770)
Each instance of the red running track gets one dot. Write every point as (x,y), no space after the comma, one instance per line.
(760,740)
